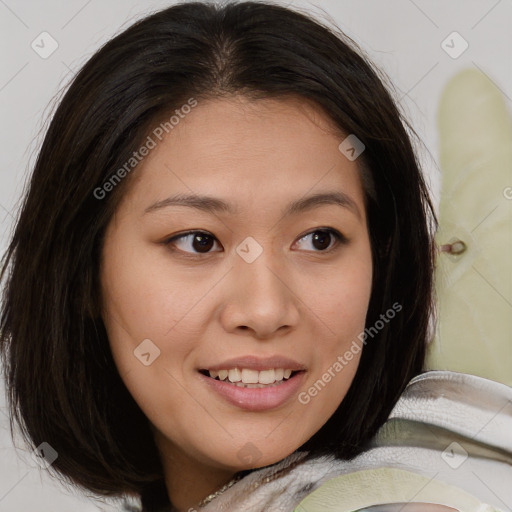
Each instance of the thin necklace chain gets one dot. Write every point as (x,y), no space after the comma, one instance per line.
(254,485)
(212,496)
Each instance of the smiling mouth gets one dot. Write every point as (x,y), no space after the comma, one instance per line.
(248,378)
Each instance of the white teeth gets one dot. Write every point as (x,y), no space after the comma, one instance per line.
(253,378)
(267,377)
(235,375)
(250,376)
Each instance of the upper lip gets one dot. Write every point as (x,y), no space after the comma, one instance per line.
(257,363)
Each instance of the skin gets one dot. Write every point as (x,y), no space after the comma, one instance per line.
(297,299)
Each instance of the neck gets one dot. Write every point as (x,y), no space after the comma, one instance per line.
(188,482)
(186,489)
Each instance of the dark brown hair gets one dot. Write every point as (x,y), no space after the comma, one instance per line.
(63,386)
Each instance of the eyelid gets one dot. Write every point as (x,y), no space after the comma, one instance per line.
(340,239)
(336,233)
(169,242)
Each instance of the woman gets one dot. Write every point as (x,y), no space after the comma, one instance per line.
(223,264)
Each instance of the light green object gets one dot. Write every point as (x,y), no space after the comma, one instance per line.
(474,288)
(353,491)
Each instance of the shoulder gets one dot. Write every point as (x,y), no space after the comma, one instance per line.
(394,490)
(448,440)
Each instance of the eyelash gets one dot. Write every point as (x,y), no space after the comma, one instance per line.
(340,239)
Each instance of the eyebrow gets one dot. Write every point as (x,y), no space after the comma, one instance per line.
(215,205)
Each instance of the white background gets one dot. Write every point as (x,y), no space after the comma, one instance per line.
(403,37)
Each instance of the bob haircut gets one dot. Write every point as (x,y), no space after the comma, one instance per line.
(62,384)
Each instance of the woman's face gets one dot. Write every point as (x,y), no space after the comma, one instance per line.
(265,287)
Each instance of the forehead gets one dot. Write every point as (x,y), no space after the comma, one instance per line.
(250,152)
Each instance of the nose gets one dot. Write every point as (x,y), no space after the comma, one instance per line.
(260,298)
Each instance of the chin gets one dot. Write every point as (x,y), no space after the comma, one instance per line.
(254,455)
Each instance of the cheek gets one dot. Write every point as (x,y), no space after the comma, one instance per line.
(136,304)
(142,313)
(149,307)
(140,294)
(341,306)
(342,298)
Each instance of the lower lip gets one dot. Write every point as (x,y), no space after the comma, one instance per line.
(256,399)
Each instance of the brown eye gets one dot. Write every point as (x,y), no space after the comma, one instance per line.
(321,239)
(194,242)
